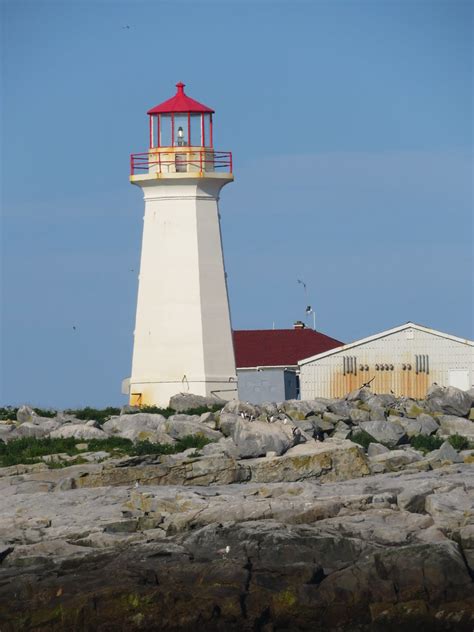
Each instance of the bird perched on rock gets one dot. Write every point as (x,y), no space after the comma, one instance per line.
(319,435)
(224,551)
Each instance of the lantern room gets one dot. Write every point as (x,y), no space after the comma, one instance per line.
(180,139)
(180,122)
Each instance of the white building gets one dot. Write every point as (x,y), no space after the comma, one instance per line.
(405,360)
(183,336)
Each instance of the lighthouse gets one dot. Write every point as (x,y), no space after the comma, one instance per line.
(183,335)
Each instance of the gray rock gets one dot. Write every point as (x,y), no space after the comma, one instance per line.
(227,422)
(78,431)
(357,415)
(182,417)
(450,425)
(428,425)
(299,409)
(332,418)
(448,399)
(209,419)
(376,448)
(25,413)
(129,410)
(389,433)
(38,430)
(413,498)
(178,429)
(224,446)
(360,394)
(256,438)
(393,461)
(185,401)
(445,453)
(237,407)
(412,427)
(139,427)
(341,408)
(342,430)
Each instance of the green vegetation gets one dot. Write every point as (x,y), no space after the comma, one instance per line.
(8,412)
(101,415)
(363,438)
(458,442)
(30,450)
(425,444)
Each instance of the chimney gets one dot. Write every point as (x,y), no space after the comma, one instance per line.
(299,324)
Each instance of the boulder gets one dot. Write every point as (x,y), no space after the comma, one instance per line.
(180,428)
(225,446)
(333,460)
(130,426)
(393,460)
(412,427)
(30,429)
(357,415)
(446,453)
(237,407)
(25,413)
(450,425)
(341,407)
(449,400)
(185,401)
(227,422)
(428,425)
(299,409)
(78,431)
(256,438)
(374,449)
(389,433)
(361,394)
(139,427)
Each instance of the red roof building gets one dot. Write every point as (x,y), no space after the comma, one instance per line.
(267,360)
(279,347)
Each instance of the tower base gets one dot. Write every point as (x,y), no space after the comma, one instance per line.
(159,393)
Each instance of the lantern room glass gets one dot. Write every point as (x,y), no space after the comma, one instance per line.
(181,129)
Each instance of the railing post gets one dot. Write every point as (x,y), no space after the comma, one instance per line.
(200,161)
(230,161)
(131,164)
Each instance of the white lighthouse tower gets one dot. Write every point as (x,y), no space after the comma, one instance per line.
(183,336)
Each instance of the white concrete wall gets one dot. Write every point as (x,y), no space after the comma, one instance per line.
(183,337)
(324,377)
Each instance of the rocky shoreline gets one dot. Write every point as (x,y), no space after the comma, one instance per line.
(320,515)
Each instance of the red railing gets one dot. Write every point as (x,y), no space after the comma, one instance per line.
(185,161)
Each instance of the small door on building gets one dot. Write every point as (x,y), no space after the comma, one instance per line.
(459,378)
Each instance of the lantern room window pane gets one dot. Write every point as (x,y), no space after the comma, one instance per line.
(195,139)
(165,130)
(181,130)
(207,130)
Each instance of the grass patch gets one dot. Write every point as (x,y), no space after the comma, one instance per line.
(101,415)
(363,438)
(29,450)
(8,412)
(458,442)
(425,443)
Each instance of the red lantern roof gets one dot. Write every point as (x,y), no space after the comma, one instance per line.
(179,103)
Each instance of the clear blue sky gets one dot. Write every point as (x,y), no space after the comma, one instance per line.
(351,127)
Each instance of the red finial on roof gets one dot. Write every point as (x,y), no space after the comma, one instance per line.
(179,103)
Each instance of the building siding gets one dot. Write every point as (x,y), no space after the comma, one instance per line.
(337,374)
(266,385)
